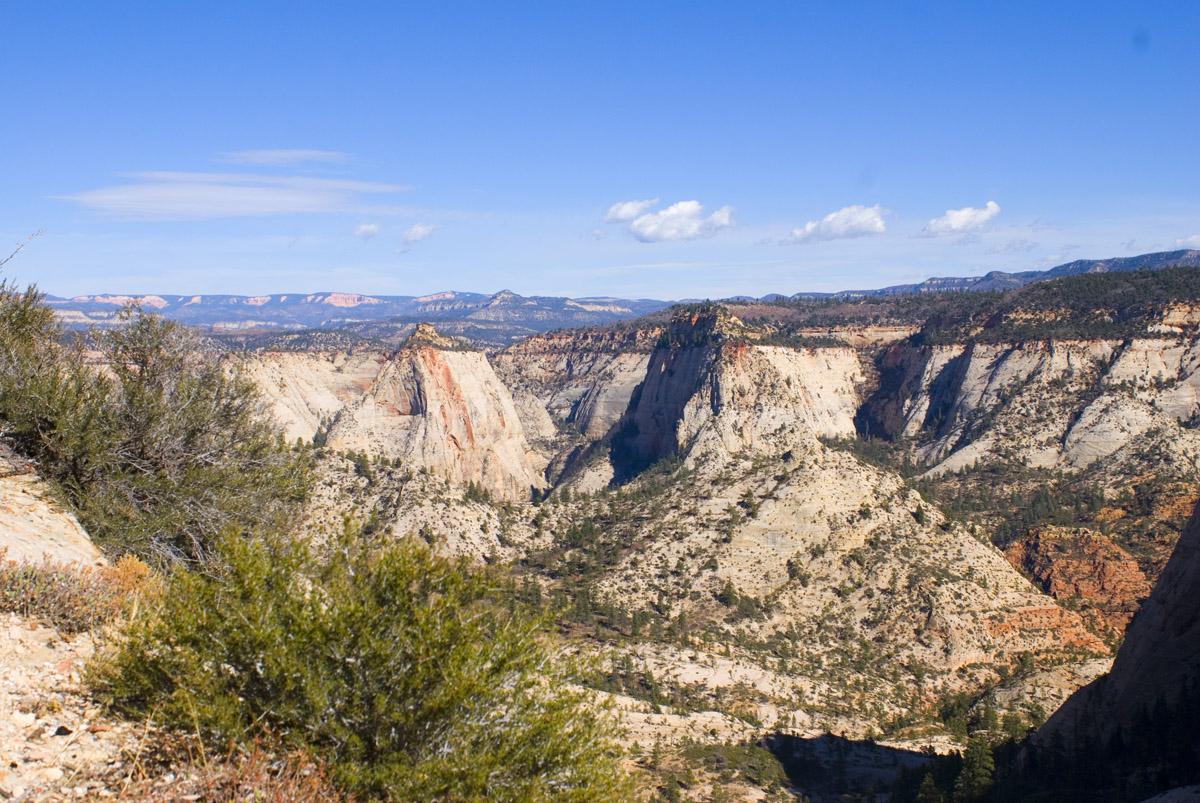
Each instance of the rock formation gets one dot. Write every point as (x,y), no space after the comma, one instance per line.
(434,404)
(707,388)
(33,527)
(1054,404)
(581,378)
(1159,658)
(1079,565)
(442,409)
(305,389)
(835,562)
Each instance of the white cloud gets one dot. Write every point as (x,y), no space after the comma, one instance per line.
(681,221)
(282,157)
(366,230)
(1188,242)
(1019,245)
(207,196)
(627,210)
(960,221)
(418,232)
(850,221)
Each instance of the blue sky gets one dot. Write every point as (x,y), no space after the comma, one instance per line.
(662,150)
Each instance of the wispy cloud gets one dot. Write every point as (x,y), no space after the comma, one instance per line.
(1188,242)
(847,222)
(418,232)
(961,221)
(282,157)
(1018,245)
(208,196)
(627,210)
(367,230)
(680,221)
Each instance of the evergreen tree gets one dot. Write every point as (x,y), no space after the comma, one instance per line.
(975,778)
(929,793)
(991,719)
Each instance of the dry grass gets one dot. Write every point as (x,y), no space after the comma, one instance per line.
(262,774)
(75,599)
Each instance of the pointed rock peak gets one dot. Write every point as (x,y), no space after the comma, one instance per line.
(426,336)
(507,297)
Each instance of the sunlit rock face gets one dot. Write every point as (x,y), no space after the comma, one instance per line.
(1050,403)
(445,412)
(433,404)
(33,528)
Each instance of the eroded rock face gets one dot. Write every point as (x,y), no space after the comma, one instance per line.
(911,378)
(1049,404)
(305,388)
(585,379)
(1160,654)
(766,397)
(445,412)
(1079,564)
(706,393)
(433,404)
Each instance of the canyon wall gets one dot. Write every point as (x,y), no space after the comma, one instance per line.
(1049,404)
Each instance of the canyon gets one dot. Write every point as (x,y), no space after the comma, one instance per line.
(694,488)
(893,519)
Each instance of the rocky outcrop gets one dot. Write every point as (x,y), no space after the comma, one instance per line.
(34,528)
(1087,568)
(1160,655)
(306,388)
(434,404)
(652,425)
(1049,404)
(584,378)
(912,379)
(707,391)
(447,413)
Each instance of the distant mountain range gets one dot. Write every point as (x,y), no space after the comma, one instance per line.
(502,317)
(999,280)
(228,313)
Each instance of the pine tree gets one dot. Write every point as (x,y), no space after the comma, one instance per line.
(975,778)
(929,793)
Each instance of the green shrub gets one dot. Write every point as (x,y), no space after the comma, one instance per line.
(156,453)
(404,671)
(753,762)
